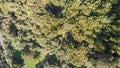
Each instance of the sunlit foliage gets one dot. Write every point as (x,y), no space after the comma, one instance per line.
(73,31)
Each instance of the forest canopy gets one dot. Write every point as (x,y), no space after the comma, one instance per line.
(60,33)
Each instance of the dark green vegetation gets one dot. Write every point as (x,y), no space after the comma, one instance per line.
(76,33)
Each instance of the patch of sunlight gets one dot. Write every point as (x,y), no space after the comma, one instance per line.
(30,62)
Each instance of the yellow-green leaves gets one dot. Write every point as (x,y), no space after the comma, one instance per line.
(99,46)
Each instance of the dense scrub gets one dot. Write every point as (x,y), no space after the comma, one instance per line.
(75,33)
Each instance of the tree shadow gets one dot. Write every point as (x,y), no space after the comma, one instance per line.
(54,10)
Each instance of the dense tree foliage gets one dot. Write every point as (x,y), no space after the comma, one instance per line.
(75,33)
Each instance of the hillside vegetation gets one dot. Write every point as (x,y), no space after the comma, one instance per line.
(60,33)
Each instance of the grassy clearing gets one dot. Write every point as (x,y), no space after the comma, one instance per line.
(30,62)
